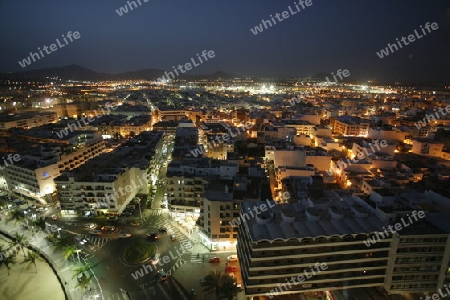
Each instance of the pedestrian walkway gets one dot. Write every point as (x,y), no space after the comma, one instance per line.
(156,212)
(96,240)
(198,259)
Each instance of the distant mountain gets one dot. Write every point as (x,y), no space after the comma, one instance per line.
(321,76)
(221,74)
(76,72)
(147,74)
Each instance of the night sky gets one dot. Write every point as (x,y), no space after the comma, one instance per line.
(324,37)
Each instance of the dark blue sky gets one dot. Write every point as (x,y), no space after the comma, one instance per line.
(326,36)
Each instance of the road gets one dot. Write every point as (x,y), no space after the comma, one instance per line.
(104,253)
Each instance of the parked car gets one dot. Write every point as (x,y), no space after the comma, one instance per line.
(231,269)
(82,240)
(108,228)
(90,226)
(214,260)
(232,258)
(153,236)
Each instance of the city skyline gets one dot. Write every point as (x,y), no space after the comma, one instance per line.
(284,149)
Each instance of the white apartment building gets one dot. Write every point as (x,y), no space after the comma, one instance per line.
(301,127)
(26,120)
(351,237)
(299,157)
(109,182)
(392,134)
(33,176)
(278,133)
(220,210)
(427,147)
(187,179)
(351,126)
(366,148)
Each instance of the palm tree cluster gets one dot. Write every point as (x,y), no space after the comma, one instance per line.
(16,215)
(222,284)
(18,243)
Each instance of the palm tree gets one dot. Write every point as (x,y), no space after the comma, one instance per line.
(228,287)
(60,243)
(16,215)
(84,281)
(69,251)
(19,241)
(211,282)
(40,223)
(84,268)
(31,258)
(7,261)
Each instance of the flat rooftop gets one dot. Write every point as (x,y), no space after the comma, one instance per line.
(348,215)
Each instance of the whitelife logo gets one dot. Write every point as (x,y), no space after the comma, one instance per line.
(439,296)
(11,158)
(188,66)
(343,164)
(411,38)
(128,188)
(339,73)
(427,119)
(284,15)
(398,226)
(124,9)
(85,120)
(162,261)
(300,278)
(244,216)
(33,56)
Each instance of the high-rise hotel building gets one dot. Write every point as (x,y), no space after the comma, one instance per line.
(352,236)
